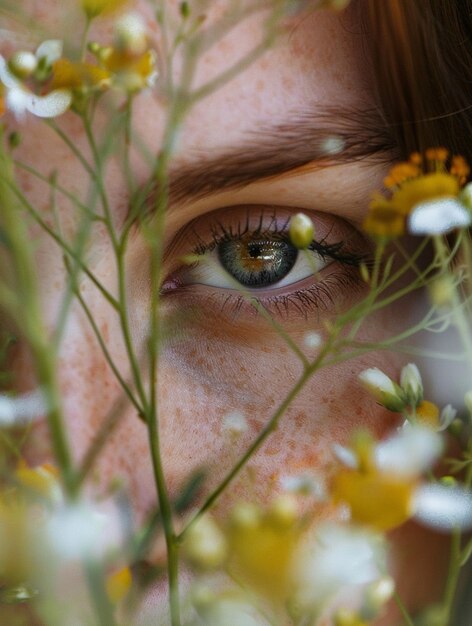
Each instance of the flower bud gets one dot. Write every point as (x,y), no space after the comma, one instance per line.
(383,389)
(205,545)
(22,64)
(441,291)
(411,384)
(130,34)
(301,231)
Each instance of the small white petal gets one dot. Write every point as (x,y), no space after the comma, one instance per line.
(437,217)
(53,104)
(17,102)
(411,383)
(409,452)
(336,558)
(7,78)
(304,484)
(448,415)
(20,410)
(51,50)
(345,456)
(375,380)
(443,508)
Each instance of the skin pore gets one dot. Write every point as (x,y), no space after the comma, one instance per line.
(218,355)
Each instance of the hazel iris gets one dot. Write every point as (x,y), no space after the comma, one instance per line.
(257,263)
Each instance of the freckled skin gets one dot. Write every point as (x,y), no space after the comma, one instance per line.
(219,365)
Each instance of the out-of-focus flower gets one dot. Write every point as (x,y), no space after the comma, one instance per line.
(385,489)
(262,544)
(94,8)
(42,480)
(21,409)
(301,231)
(226,608)
(235,423)
(334,561)
(118,584)
(424,191)
(130,62)
(20,98)
(205,546)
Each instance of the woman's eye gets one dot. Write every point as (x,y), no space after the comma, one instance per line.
(255,262)
(241,255)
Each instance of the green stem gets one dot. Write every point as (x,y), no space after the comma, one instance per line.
(453,575)
(264,434)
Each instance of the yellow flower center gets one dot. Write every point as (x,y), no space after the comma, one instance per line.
(375,499)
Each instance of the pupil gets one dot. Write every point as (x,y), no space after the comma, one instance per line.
(257,263)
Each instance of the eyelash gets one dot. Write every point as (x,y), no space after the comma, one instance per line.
(221,234)
(319,295)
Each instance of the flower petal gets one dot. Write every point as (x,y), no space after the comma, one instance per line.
(51,50)
(8,79)
(443,508)
(437,217)
(410,452)
(53,104)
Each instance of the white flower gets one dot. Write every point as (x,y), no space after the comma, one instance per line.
(437,217)
(335,559)
(411,383)
(443,507)
(77,531)
(410,452)
(22,409)
(382,388)
(20,99)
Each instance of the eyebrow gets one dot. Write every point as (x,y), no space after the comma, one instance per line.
(282,148)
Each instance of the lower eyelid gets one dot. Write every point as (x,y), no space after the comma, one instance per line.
(331,294)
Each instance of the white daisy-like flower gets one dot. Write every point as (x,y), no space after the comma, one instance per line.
(438,217)
(20,100)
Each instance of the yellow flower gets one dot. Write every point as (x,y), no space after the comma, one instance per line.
(41,480)
(78,76)
(376,499)
(130,72)
(379,481)
(118,584)
(384,219)
(93,8)
(427,413)
(424,187)
(262,546)
(410,183)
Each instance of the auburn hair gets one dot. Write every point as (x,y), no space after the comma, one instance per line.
(422,61)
